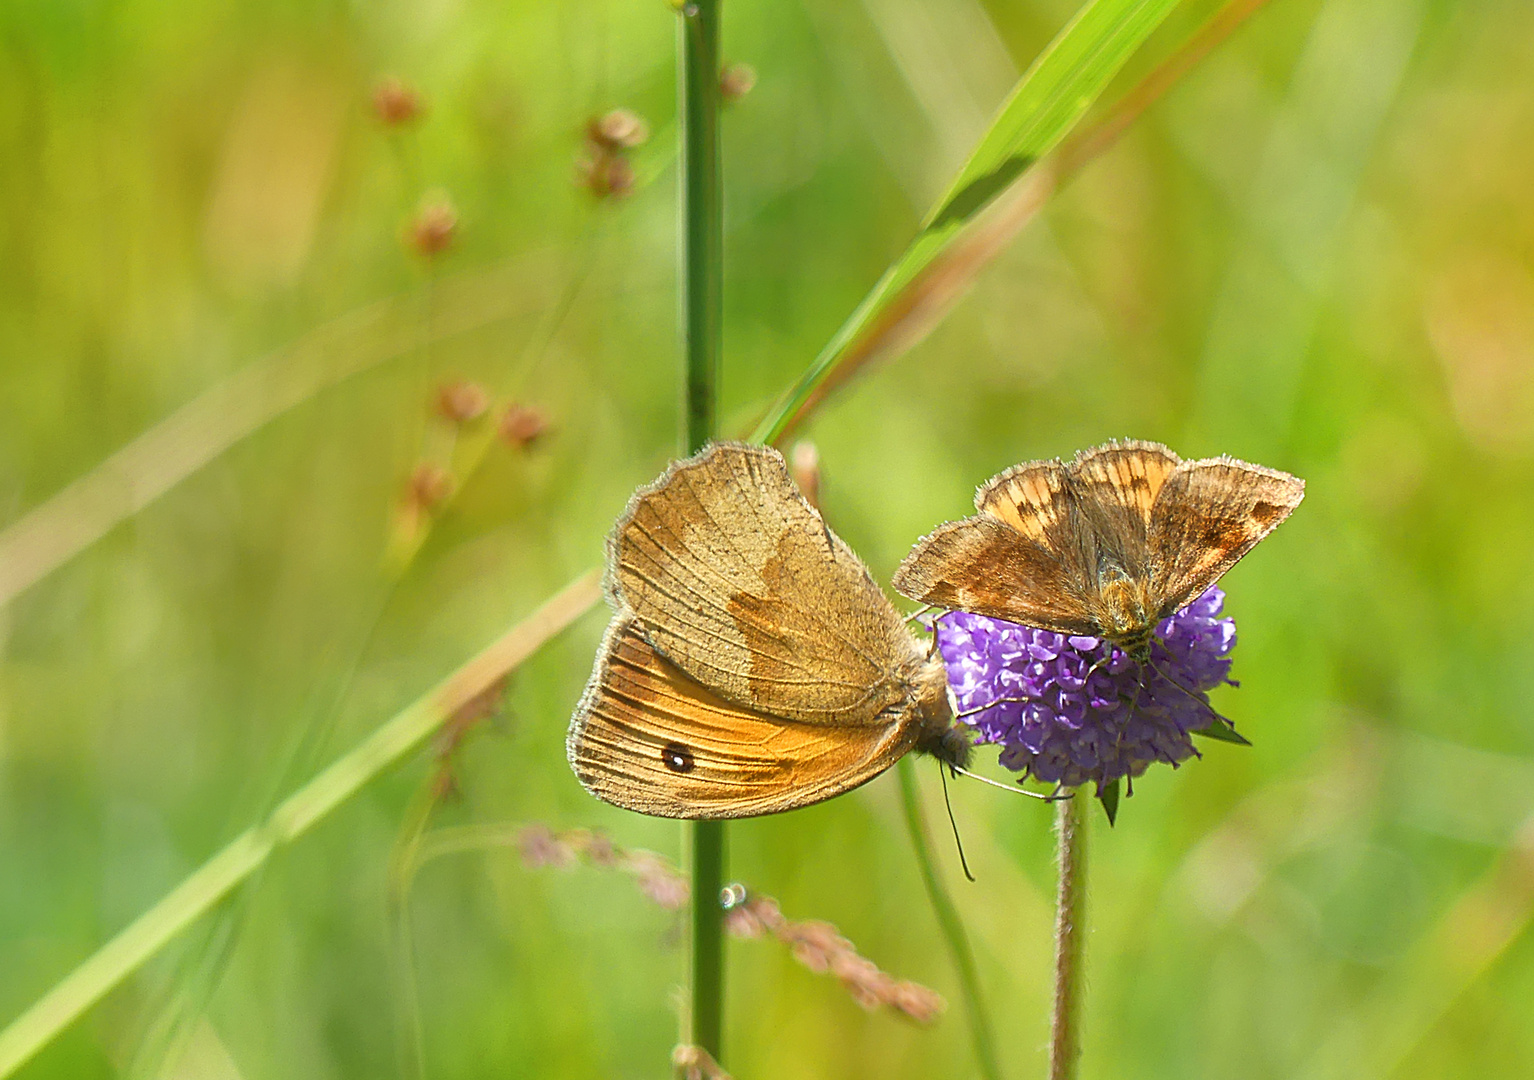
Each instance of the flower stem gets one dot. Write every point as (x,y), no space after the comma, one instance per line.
(702,279)
(949,923)
(1070,939)
(702,214)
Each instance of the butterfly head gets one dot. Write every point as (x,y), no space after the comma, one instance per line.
(940,736)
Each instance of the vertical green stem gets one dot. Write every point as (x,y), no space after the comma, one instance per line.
(702,213)
(702,280)
(1070,936)
(948,921)
(705,863)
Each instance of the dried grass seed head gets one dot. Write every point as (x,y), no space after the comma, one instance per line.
(433,228)
(395,103)
(461,402)
(736,81)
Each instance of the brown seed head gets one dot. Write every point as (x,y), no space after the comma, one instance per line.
(460,402)
(521,425)
(736,81)
(920,1003)
(540,847)
(432,229)
(606,174)
(621,129)
(658,880)
(430,485)
(395,103)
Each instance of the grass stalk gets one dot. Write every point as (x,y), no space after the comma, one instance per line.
(981,1034)
(701,316)
(248,852)
(894,318)
(1070,936)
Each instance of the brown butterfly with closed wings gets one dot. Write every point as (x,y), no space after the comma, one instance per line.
(752,665)
(1106,545)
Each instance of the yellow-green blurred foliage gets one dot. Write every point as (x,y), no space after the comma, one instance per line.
(1317,253)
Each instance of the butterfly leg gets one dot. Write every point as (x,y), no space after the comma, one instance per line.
(1223,721)
(916,615)
(977,710)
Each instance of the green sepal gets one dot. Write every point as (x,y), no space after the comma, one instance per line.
(1109,797)
(1218,730)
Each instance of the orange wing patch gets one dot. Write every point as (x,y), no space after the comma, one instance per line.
(648,738)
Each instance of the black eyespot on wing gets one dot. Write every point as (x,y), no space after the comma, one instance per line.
(677,758)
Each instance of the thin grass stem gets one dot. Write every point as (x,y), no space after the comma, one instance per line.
(702,318)
(981,1034)
(248,852)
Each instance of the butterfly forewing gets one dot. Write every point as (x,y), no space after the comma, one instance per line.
(1207,516)
(982,565)
(649,738)
(737,580)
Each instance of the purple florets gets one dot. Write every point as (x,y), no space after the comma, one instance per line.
(1054,727)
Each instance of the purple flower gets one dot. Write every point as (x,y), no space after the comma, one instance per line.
(1071,709)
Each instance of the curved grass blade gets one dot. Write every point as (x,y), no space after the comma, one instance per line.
(206,887)
(1046,103)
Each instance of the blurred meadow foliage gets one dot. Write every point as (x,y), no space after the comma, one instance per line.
(1316,253)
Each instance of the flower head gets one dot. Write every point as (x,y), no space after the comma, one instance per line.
(1069,709)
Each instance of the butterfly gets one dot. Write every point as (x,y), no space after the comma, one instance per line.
(752,664)
(1105,545)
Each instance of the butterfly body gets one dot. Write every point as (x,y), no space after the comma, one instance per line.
(1106,545)
(1123,615)
(752,665)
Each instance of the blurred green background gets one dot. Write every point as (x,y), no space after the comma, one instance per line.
(1317,253)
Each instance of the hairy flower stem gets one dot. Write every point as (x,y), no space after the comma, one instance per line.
(701,283)
(1070,940)
(949,922)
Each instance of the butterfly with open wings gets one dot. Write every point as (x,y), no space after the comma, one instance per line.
(1105,545)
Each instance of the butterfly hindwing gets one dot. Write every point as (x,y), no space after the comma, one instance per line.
(1115,488)
(737,580)
(649,738)
(1125,475)
(1208,515)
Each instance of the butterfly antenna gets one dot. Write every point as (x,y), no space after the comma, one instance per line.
(957,842)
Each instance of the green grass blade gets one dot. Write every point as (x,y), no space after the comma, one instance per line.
(1046,103)
(207,886)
